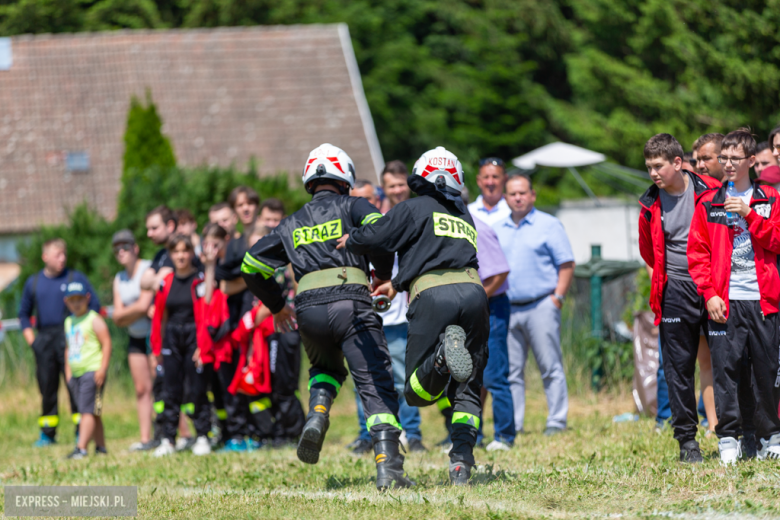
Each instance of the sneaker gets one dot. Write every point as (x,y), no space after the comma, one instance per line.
(730,450)
(497,445)
(353,444)
(144,446)
(460,472)
(749,448)
(552,430)
(362,447)
(770,449)
(202,446)
(416,446)
(234,445)
(165,448)
(452,353)
(101,450)
(690,453)
(44,441)
(253,444)
(184,443)
(77,454)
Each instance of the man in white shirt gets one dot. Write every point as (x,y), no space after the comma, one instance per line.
(490,207)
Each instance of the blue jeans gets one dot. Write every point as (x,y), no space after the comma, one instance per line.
(496,375)
(408,415)
(664,411)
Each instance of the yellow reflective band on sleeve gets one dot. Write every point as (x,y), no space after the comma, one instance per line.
(382,418)
(419,390)
(252,265)
(465,418)
(188,408)
(445,225)
(221,414)
(324,378)
(260,405)
(48,421)
(319,233)
(76,418)
(443,403)
(159,406)
(371,218)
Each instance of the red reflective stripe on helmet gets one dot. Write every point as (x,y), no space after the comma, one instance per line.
(308,164)
(335,161)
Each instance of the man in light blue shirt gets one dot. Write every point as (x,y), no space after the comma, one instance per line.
(541,266)
(490,207)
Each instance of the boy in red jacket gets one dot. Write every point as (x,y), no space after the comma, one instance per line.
(667,210)
(732,255)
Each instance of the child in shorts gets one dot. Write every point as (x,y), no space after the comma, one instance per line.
(87,354)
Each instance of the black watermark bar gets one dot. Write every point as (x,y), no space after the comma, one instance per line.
(71,500)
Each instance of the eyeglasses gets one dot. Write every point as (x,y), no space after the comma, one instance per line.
(122,247)
(495,161)
(734,160)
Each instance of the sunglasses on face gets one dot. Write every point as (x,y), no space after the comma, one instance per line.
(122,247)
(495,161)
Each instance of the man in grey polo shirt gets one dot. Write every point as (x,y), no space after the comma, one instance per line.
(541,266)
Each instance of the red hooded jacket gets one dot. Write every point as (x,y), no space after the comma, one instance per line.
(211,321)
(652,244)
(711,242)
(253,372)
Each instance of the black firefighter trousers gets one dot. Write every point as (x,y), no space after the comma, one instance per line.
(466,305)
(49,350)
(179,345)
(746,332)
(350,329)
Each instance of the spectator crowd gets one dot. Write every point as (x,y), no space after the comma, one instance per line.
(211,370)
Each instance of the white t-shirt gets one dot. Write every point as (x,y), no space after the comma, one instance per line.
(743,284)
(396,315)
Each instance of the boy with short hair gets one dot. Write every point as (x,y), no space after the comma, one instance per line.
(732,255)
(667,210)
(87,355)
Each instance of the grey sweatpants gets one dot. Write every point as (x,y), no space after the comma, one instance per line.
(537,327)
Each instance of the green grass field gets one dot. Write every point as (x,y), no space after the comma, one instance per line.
(595,469)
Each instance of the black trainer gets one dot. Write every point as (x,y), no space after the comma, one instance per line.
(690,453)
(361,447)
(317,424)
(460,472)
(389,461)
(416,446)
(452,353)
(101,450)
(749,446)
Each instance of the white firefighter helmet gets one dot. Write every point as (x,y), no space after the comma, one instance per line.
(440,163)
(329,162)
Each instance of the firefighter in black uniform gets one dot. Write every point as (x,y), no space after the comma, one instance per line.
(333,307)
(448,314)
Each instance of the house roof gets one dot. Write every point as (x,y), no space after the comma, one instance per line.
(225,95)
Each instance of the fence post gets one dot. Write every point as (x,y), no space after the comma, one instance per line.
(596,318)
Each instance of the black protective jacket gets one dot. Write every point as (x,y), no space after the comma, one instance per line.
(307,240)
(429,232)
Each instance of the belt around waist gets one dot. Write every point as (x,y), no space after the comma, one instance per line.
(529,302)
(333,277)
(439,277)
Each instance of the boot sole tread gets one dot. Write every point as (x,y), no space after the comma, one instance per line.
(458,358)
(309,446)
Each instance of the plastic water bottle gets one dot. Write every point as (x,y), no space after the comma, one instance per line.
(731,191)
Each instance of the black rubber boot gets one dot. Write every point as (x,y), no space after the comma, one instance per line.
(389,461)
(316,426)
(690,453)
(452,353)
(460,472)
